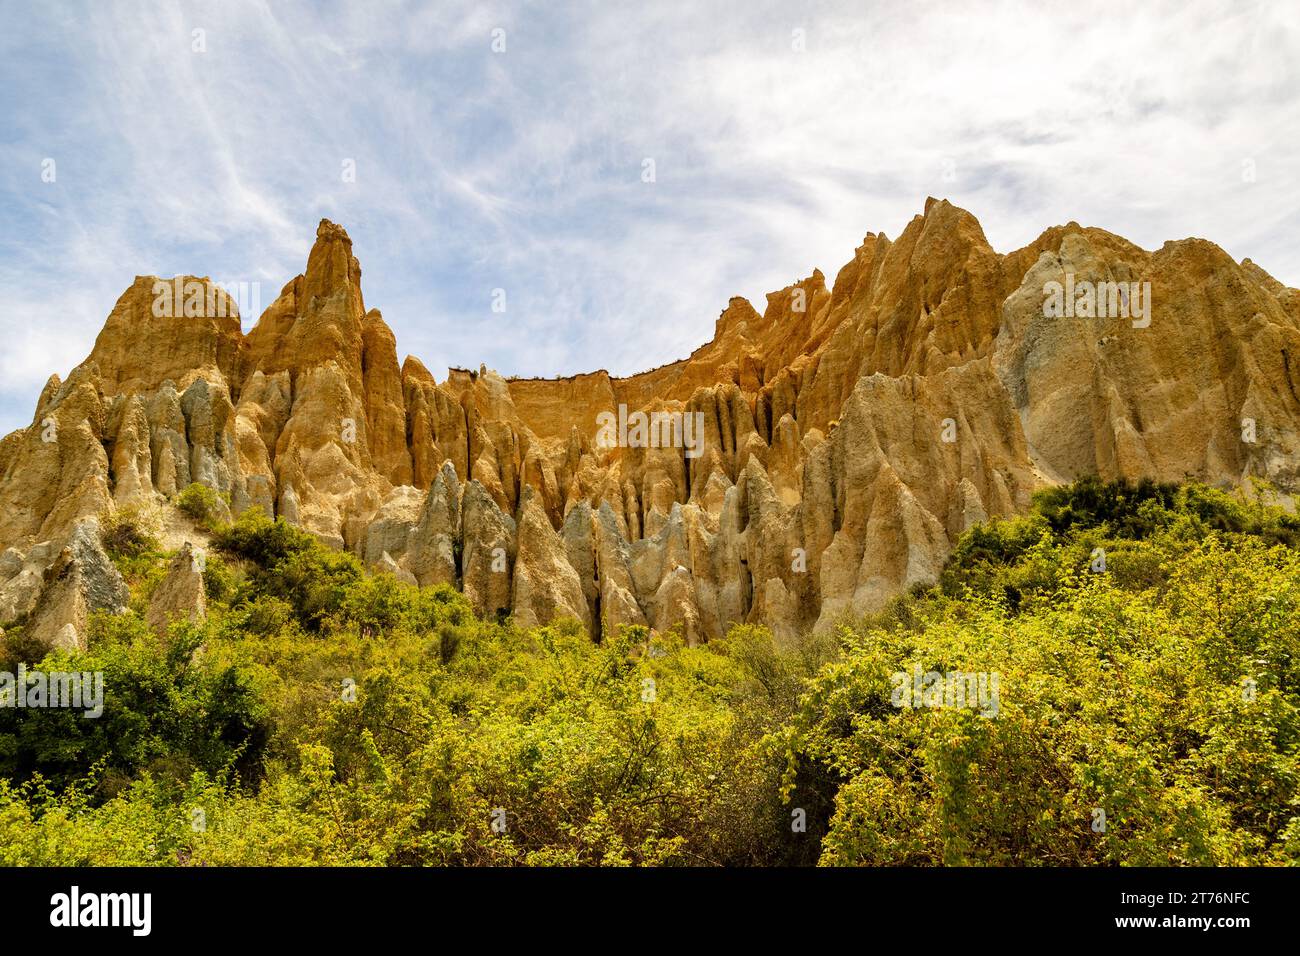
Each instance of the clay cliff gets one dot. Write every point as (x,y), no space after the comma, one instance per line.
(849,432)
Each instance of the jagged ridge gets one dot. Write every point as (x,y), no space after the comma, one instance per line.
(851,433)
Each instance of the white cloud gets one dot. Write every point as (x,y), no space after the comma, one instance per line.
(477,170)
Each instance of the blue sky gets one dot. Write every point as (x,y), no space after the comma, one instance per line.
(780,134)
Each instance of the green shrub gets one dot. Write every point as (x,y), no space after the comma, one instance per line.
(165,710)
(18,647)
(129,532)
(290,564)
(220,580)
(201,504)
(325,716)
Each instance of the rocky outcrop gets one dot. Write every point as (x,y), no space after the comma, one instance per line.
(488,555)
(434,543)
(81,580)
(546,585)
(813,459)
(180,595)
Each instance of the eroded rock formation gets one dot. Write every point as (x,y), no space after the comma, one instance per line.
(850,432)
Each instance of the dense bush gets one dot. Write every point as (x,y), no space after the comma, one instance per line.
(289,564)
(201,504)
(166,710)
(1139,706)
(129,532)
(337,717)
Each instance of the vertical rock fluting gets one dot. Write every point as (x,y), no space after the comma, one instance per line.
(809,461)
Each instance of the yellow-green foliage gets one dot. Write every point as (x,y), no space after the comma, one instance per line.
(130,538)
(1162,691)
(200,503)
(334,717)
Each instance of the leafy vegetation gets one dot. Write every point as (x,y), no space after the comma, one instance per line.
(130,532)
(199,503)
(1145,640)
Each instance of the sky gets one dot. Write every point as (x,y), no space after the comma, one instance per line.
(510,146)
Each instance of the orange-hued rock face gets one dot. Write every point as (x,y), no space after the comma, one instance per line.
(812,459)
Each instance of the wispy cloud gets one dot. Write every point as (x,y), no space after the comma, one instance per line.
(780,134)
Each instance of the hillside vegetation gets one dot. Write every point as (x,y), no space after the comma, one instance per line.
(1145,642)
